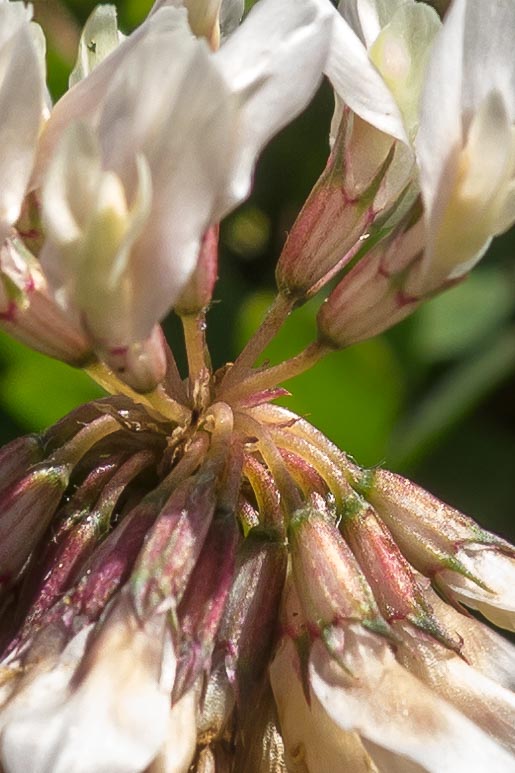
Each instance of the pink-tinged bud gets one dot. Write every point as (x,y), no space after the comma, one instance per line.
(17,457)
(249,621)
(203,603)
(470,564)
(396,586)
(29,314)
(370,298)
(173,546)
(78,534)
(365,177)
(331,587)
(53,567)
(304,475)
(197,294)
(27,507)
(141,365)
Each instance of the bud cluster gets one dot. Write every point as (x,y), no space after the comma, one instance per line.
(233,567)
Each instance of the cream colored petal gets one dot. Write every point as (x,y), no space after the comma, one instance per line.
(313,742)
(181,738)
(487,704)
(497,572)
(21,103)
(261,64)
(110,718)
(483,648)
(389,707)
(99,37)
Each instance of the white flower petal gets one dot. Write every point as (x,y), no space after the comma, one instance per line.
(488,62)
(440,135)
(21,103)
(497,572)
(489,705)
(273,63)
(181,738)
(464,148)
(85,100)
(99,37)
(111,717)
(358,83)
(182,122)
(378,698)
(311,738)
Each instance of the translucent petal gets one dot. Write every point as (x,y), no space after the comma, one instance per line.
(99,37)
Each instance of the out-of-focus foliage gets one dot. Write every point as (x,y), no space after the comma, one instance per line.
(431,398)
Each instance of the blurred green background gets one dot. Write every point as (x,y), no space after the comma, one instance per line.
(431,399)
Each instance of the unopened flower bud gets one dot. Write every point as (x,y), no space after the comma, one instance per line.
(196,296)
(141,365)
(216,708)
(173,545)
(260,747)
(331,586)
(17,457)
(28,505)
(29,314)
(248,625)
(78,534)
(471,564)
(397,588)
(370,298)
(202,605)
(365,177)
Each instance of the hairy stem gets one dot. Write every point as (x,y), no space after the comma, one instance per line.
(194,327)
(157,400)
(275,317)
(266,378)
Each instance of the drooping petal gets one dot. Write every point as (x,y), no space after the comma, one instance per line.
(22,95)
(483,648)
(487,704)
(397,713)
(496,599)
(313,741)
(274,64)
(111,716)
(359,84)
(99,37)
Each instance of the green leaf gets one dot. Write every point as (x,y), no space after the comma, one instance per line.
(37,390)
(459,320)
(453,398)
